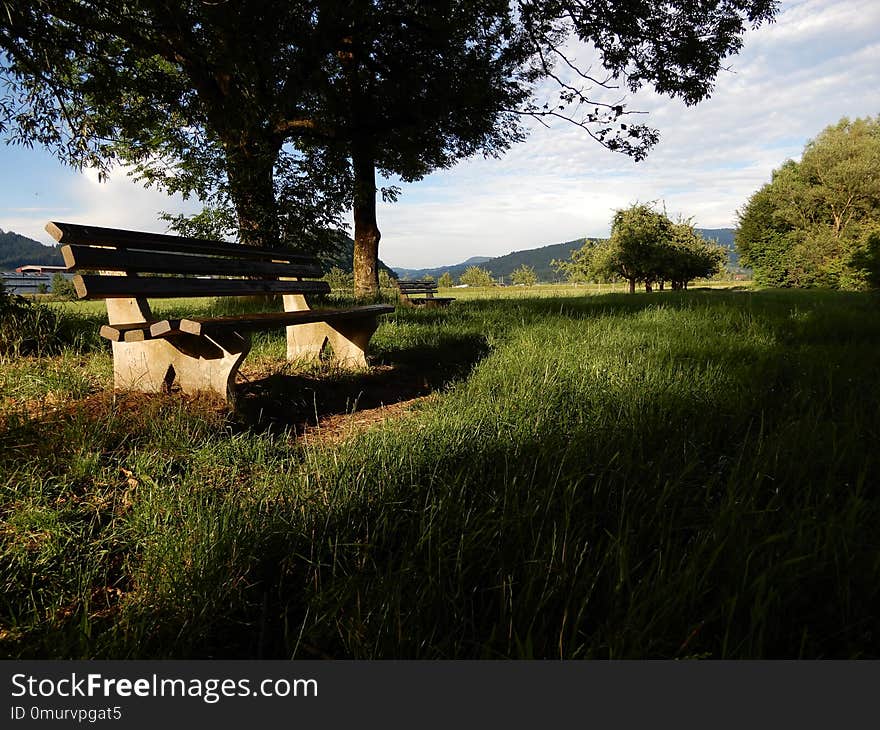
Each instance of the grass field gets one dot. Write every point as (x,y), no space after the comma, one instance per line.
(689,474)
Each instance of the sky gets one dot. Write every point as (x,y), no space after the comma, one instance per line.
(818,62)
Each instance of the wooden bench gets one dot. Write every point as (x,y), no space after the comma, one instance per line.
(409,290)
(203,353)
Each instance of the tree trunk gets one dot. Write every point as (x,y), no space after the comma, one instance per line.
(661,285)
(632,286)
(648,287)
(250,168)
(366,228)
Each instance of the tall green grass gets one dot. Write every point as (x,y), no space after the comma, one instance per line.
(676,475)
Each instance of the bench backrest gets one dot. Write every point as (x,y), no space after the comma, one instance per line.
(417,287)
(199,267)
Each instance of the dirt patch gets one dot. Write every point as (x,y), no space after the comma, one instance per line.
(321,406)
(325,401)
(338,428)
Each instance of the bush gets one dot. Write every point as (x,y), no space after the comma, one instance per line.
(28,328)
(62,288)
(340,280)
(386,282)
(524,276)
(475,276)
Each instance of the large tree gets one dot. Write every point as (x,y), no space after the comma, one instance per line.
(645,246)
(815,222)
(690,256)
(288,109)
(639,244)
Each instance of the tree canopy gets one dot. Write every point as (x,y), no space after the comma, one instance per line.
(286,111)
(814,223)
(475,276)
(646,246)
(524,276)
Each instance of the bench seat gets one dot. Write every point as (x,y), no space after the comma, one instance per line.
(436,301)
(139,331)
(127,268)
(421,293)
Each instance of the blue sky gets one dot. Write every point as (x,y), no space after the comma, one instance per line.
(819,62)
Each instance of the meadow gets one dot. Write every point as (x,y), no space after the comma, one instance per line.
(525,474)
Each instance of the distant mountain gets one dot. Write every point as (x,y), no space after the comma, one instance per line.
(540,259)
(419,273)
(503,266)
(724,237)
(17,250)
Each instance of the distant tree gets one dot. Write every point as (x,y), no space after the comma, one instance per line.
(638,246)
(645,246)
(62,288)
(524,276)
(690,256)
(427,277)
(475,276)
(585,264)
(386,281)
(339,279)
(812,224)
(445,280)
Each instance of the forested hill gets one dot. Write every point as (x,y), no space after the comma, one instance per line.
(540,258)
(17,250)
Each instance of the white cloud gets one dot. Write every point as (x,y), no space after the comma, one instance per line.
(117,202)
(120,202)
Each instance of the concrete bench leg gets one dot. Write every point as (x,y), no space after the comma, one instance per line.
(197,364)
(348,339)
(305,341)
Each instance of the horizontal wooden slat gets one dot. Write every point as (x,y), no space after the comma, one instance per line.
(126,332)
(432,300)
(108,259)
(253,322)
(118,287)
(74,233)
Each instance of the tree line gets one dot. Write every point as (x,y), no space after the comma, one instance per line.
(817,222)
(280,116)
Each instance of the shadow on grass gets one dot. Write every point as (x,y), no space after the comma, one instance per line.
(299,400)
(718,498)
